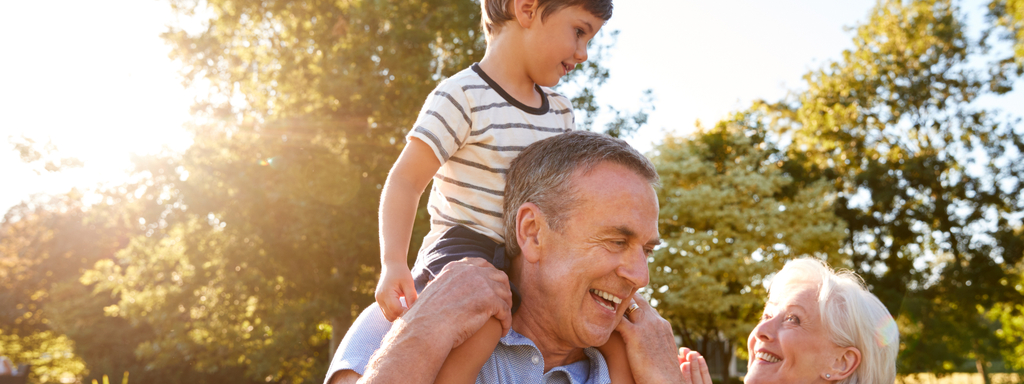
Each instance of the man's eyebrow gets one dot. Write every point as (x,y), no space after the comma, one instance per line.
(625,231)
(629,233)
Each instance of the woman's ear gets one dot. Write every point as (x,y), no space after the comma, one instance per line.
(526,12)
(529,221)
(845,364)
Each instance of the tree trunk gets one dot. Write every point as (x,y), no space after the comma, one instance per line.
(339,325)
(726,356)
(981,370)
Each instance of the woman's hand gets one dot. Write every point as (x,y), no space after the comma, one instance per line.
(693,367)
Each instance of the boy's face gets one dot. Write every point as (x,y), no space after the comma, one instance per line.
(559,42)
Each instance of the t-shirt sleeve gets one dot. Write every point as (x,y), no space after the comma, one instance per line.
(361,341)
(444,123)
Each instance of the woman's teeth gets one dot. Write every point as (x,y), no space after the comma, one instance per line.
(767,357)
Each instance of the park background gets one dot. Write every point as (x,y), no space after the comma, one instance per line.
(225,230)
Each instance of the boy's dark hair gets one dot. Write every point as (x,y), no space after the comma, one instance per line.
(498,12)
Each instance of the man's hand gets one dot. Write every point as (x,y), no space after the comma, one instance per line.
(650,344)
(462,298)
(452,308)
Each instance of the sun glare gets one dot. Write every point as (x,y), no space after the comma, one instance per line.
(96,81)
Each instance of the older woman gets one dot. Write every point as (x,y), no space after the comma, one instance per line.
(820,326)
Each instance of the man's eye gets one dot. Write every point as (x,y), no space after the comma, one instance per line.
(648,251)
(580,33)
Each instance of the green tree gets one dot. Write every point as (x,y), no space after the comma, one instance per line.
(928,183)
(49,319)
(730,218)
(265,245)
(1009,15)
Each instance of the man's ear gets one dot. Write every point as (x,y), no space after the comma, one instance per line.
(529,221)
(845,364)
(526,12)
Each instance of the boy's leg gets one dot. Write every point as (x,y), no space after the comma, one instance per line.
(465,361)
(614,352)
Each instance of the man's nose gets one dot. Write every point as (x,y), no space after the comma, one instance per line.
(634,268)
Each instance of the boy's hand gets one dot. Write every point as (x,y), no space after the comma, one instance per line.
(395,283)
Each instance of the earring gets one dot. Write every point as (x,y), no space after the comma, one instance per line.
(828,376)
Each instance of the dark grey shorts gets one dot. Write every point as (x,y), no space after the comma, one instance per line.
(457,243)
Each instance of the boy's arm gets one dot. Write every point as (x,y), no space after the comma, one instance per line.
(416,165)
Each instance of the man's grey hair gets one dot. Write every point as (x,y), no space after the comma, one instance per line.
(543,173)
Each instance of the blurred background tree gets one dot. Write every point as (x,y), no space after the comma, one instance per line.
(262,244)
(245,258)
(928,185)
(730,217)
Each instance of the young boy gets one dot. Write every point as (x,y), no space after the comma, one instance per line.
(467,133)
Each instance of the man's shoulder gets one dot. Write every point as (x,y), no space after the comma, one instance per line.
(517,359)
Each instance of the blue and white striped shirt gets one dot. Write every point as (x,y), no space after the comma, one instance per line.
(516,359)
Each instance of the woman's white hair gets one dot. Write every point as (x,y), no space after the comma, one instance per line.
(853,317)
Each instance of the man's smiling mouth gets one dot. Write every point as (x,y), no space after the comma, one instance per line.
(607,300)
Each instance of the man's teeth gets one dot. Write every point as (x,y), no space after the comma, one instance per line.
(607,296)
(767,357)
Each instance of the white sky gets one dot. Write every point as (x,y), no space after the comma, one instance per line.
(95,78)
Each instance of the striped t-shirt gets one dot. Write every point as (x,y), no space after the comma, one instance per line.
(475,129)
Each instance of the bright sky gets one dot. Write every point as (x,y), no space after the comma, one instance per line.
(95,77)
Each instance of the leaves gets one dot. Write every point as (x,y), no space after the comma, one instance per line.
(730,217)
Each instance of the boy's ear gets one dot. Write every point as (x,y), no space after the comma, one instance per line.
(529,221)
(526,12)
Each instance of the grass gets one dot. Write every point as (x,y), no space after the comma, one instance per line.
(960,378)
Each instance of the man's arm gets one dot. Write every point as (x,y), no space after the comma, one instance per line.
(347,376)
(450,310)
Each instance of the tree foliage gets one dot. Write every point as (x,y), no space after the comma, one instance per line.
(731,217)
(264,245)
(1009,15)
(929,184)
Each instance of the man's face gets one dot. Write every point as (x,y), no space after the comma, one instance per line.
(600,254)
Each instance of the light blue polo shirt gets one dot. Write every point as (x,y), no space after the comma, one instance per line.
(516,359)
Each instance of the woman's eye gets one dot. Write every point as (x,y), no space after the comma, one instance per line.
(765,316)
(793,319)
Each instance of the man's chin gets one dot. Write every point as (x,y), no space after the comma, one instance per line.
(597,337)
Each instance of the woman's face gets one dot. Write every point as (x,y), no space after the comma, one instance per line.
(790,344)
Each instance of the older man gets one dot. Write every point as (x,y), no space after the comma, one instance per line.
(581,219)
